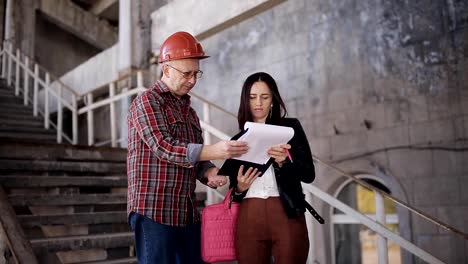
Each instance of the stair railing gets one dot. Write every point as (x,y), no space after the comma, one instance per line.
(41,80)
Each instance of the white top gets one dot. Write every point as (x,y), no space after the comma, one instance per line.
(264,187)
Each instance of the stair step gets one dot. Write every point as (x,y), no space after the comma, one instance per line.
(130,260)
(15,181)
(27,130)
(28,137)
(35,151)
(21,116)
(29,221)
(11,99)
(8,94)
(15,109)
(66,199)
(54,244)
(7,105)
(63,166)
(5,122)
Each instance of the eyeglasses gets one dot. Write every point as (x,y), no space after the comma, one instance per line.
(187,75)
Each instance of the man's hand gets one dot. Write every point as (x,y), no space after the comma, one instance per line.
(225,149)
(215,180)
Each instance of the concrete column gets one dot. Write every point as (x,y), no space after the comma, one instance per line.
(9,33)
(125,36)
(124,61)
(24,25)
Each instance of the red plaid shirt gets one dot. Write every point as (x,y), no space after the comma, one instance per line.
(161,179)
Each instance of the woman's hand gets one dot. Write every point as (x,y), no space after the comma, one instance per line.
(245,180)
(279,153)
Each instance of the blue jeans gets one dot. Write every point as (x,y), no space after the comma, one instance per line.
(164,244)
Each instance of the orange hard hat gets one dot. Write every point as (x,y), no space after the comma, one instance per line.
(181,45)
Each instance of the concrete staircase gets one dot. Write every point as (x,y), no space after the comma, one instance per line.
(17,120)
(69,200)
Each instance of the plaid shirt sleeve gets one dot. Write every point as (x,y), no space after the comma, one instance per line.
(153,129)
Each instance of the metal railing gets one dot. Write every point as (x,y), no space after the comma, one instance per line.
(41,81)
(377,224)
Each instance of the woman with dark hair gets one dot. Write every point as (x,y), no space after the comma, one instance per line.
(271,219)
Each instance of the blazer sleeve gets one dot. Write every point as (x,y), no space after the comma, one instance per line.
(302,165)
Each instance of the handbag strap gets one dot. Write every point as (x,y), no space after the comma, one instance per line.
(314,213)
(228,198)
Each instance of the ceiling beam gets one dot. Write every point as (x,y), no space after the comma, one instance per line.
(101,5)
(82,24)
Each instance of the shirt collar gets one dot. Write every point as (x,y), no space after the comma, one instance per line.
(162,88)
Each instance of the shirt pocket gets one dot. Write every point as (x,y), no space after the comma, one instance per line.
(196,130)
(175,124)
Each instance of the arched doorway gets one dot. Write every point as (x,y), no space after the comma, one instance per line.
(352,242)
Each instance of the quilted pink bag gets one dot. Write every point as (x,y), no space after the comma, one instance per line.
(218,230)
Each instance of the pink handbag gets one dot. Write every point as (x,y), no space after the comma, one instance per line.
(218,230)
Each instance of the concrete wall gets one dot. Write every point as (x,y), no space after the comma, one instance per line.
(94,72)
(85,25)
(2,17)
(376,83)
(166,20)
(57,50)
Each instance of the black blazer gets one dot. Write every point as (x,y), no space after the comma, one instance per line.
(291,174)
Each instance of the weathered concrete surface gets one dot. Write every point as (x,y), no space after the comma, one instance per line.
(202,18)
(21,29)
(81,23)
(382,82)
(101,6)
(57,50)
(94,73)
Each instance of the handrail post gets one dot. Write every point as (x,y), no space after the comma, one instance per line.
(36,88)
(139,79)
(26,80)
(113,123)
(4,60)
(310,230)
(46,101)
(18,58)
(74,120)
(59,114)
(10,62)
(207,141)
(90,120)
(382,247)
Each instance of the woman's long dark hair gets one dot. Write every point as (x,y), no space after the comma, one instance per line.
(278,109)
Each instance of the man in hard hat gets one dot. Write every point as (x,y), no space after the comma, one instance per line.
(165,157)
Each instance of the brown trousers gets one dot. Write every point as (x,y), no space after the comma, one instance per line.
(264,230)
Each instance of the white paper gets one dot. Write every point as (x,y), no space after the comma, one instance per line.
(260,137)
